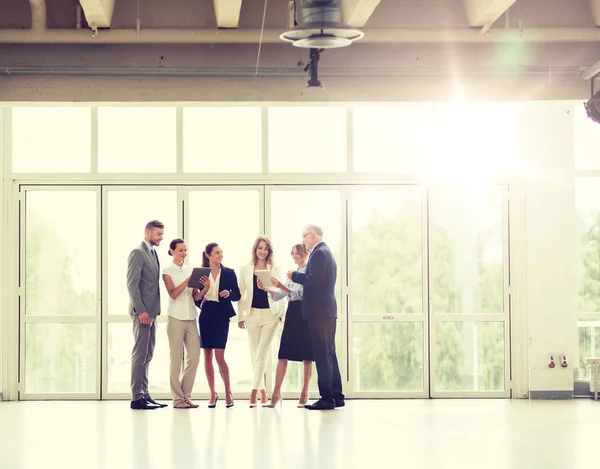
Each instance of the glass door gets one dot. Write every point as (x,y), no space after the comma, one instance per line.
(388,331)
(233,217)
(468,291)
(289,210)
(125,212)
(60,293)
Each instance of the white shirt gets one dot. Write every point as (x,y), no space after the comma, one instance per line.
(213,292)
(182,307)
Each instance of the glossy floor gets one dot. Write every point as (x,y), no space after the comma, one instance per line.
(365,434)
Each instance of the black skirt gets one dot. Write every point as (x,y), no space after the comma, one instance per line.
(214,325)
(296,344)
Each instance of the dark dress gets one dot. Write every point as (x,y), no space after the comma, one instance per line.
(295,339)
(214,315)
(296,344)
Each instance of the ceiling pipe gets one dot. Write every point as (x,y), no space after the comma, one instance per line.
(38,15)
(250,72)
(252,36)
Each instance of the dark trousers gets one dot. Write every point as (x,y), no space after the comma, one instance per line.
(322,333)
(144,338)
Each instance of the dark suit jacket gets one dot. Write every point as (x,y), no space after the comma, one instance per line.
(318,299)
(229,282)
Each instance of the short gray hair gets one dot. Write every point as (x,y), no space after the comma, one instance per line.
(314,228)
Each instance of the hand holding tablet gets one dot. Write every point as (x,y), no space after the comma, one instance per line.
(197,274)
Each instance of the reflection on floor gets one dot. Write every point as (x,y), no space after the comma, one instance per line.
(369,434)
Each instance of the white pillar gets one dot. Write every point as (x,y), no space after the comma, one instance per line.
(546,145)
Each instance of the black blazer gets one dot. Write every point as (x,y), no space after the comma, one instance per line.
(318,299)
(228,282)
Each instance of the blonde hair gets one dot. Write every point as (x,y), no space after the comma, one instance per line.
(270,257)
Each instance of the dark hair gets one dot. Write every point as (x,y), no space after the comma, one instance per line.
(154,224)
(301,248)
(207,252)
(174,244)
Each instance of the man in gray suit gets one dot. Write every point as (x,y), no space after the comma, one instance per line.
(143,274)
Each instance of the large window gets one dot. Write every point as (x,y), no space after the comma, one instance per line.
(422,266)
(307,139)
(61,303)
(234,223)
(137,140)
(389,327)
(51,140)
(127,210)
(222,139)
(467,289)
(588,210)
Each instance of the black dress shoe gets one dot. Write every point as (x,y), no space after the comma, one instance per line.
(149,400)
(141,404)
(340,403)
(320,405)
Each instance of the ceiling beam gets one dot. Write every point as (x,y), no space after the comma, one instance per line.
(38,15)
(596,10)
(98,13)
(271,36)
(357,12)
(227,13)
(485,12)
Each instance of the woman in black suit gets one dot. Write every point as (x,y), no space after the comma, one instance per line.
(220,289)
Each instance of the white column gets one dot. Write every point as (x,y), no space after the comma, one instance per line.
(546,143)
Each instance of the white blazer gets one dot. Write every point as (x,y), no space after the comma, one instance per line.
(278,308)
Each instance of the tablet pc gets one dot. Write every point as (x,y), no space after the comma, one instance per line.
(197,273)
(265,277)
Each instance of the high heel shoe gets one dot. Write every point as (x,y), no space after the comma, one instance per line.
(229,404)
(214,404)
(273,404)
(254,404)
(302,402)
(263,397)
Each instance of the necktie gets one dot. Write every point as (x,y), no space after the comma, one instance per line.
(154,256)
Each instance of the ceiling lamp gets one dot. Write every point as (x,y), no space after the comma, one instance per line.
(320,26)
(592,107)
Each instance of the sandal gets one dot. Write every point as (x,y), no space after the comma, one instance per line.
(182,405)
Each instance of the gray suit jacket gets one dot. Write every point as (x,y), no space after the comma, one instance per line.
(143,277)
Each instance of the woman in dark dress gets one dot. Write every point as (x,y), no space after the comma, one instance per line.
(220,289)
(295,339)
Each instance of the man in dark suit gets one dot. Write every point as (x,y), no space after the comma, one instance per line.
(143,274)
(319,308)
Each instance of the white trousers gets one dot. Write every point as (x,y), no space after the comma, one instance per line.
(261,325)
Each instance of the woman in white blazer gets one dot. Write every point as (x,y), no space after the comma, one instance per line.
(258,313)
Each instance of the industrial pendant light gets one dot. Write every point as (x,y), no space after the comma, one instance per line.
(320,26)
